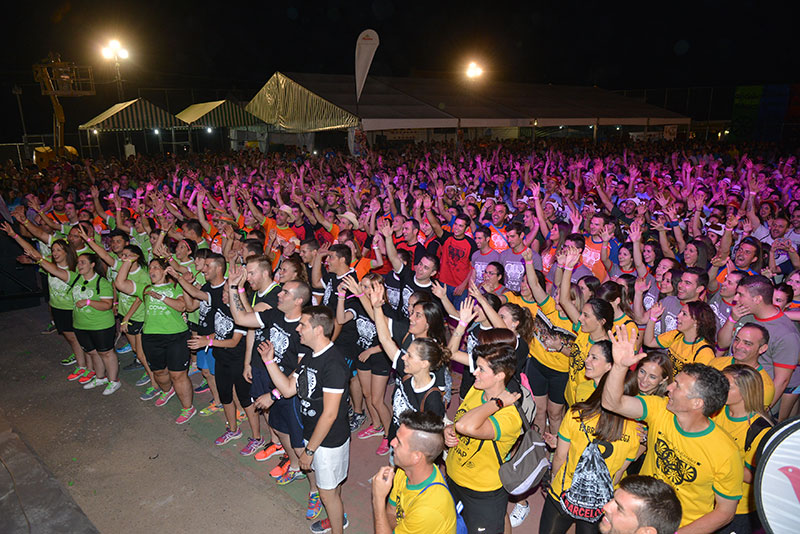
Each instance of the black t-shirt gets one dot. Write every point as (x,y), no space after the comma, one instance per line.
(366,332)
(282,333)
(326,372)
(205,321)
(270,297)
(225,328)
(409,287)
(409,396)
(347,335)
(394,294)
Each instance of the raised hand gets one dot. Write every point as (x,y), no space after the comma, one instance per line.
(466,312)
(656,311)
(623,348)
(642,284)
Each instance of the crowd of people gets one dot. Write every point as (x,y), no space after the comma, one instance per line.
(642,295)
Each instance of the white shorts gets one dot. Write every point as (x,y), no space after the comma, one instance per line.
(330,465)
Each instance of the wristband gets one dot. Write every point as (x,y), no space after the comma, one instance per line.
(210,341)
(267,362)
(731,319)
(88,301)
(125,323)
(241,290)
(340,295)
(498,402)
(359,295)
(275,393)
(463,323)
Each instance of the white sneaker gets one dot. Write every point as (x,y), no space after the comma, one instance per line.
(519,514)
(112,387)
(94,382)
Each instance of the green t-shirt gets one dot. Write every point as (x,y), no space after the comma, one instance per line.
(160,318)
(143,242)
(140,279)
(87,317)
(60,297)
(199,281)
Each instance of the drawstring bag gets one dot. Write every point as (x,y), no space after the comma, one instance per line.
(461,526)
(591,485)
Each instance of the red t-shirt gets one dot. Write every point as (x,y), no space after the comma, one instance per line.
(454,257)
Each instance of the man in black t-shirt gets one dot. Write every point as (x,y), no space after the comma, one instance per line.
(320,382)
(410,281)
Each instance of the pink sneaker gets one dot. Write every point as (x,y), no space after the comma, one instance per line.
(370,432)
(383,448)
(165,397)
(186,414)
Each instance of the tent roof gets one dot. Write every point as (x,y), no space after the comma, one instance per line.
(311,102)
(136,114)
(218,114)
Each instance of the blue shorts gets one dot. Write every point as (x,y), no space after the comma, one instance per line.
(262,383)
(284,417)
(205,359)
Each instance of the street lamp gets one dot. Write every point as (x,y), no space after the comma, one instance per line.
(474,70)
(115,51)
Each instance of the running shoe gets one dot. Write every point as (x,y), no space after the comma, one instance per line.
(112,387)
(253,446)
(314,506)
(150,394)
(143,381)
(357,420)
(370,432)
(125,349)
(211,408)
(76,373)
(69,360)
(281,468)
(519,514)
(383,448)
(324,526)
(51,328)
(290,476)
(228,436)
(193,370)
(87,376)
(94,382)
(203,387)
(186,414)
(165,397)
(272,449)
(135,365)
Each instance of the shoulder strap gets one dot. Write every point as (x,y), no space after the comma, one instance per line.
(424,397)
(755,429)
(697,352)
(75,281)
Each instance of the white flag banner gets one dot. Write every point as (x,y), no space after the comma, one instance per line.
(366,45)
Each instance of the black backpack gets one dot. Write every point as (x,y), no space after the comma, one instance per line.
(591,485)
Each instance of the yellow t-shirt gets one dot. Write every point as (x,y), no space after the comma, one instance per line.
(698,465)
(615,453)
(585,390)
(681,352)
(630,326)
(577,361)
(473,462)
(513,298)
(433,513)
(769,386)
(737,428)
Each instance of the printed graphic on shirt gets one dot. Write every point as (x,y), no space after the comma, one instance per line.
(674,465)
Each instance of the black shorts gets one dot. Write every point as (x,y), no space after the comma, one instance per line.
(484,511)
(135,327)
(229,375)
(377,364)
(62,319)
(546,382)
(284,417)
(167,351)
(99,340)
(261,384)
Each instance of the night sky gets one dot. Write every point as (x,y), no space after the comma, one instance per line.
(222,49)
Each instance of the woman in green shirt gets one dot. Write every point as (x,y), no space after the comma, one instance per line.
(61,304)
(132,278)
(164,338)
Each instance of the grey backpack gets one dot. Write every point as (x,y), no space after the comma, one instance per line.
(591,485)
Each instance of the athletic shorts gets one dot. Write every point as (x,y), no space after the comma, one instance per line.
(377,364)
(167,351)
(284,417)
(484,511)
(261,384)
(99,340)
(62,319)
(546,382)
(205,359)
(330,466)
(134,327)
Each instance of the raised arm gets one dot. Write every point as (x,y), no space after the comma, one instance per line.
(376,295)
(570,260)
(624,353)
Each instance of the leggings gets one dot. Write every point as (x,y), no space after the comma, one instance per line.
(555,521)
(229,374)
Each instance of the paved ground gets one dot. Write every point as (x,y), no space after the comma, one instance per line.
(131,469)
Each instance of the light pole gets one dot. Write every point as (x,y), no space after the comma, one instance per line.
(115,51)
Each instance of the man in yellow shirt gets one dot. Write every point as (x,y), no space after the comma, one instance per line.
(419,441)
(685,448)
(751,341)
